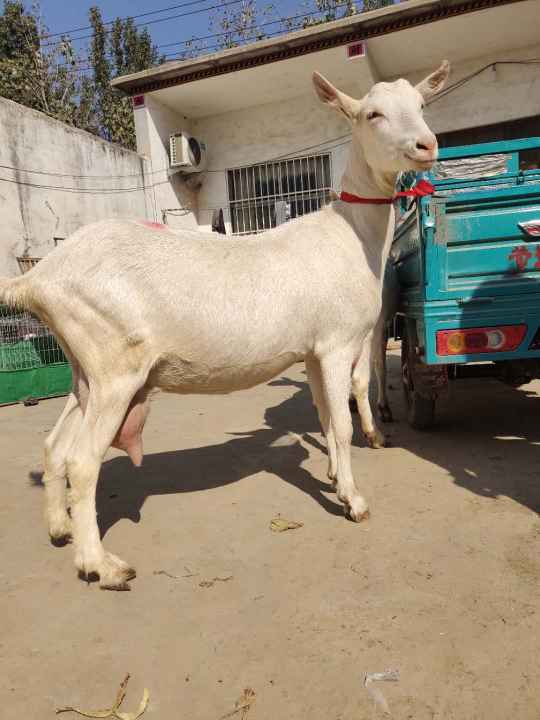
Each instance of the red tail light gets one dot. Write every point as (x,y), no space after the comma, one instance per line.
(480,340)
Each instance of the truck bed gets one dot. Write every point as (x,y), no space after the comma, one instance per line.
(462,255)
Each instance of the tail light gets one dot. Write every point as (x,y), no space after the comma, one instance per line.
(480,340)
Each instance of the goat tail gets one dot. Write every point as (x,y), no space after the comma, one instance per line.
(14,292)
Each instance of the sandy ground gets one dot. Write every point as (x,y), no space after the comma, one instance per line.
(441,583)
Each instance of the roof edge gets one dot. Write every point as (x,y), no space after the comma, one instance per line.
(302,42)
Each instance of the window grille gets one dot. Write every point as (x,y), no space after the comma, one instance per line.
(265,195)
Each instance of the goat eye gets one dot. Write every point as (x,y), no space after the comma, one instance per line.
(373,115)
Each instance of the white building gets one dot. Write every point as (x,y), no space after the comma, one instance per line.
(274,151)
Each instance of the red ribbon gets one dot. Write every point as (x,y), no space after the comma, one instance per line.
(421,189)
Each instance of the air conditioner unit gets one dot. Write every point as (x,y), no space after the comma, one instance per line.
(187,154)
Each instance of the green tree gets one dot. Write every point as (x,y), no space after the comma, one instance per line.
(328,10)
(47,75)
(376,4)
(249,23)
(236,25)
(122,49)
(41,77)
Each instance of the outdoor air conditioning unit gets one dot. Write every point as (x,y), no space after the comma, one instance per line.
(187,154)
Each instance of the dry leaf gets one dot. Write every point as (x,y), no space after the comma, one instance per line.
(279,524)
(114,711)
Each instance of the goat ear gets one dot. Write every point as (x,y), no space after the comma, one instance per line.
(435,82)
(330,95)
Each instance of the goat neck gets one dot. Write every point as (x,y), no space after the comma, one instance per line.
(371,222)
(361,179)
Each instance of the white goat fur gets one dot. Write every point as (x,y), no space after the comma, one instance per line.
(137,309)
(390,304)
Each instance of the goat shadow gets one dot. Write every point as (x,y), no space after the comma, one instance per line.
(486,436)
(122,489)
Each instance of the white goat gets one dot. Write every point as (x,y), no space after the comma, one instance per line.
(379,341)
(135,309)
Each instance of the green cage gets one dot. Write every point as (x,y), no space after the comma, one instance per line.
(32,364)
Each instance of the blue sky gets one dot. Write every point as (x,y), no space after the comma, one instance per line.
(62,15)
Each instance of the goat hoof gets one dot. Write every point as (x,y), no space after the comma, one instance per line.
(118,582)
(385,413)
(61,540)
(122,587)
(113,573)
(356,517)
(332,477)
(60,532)
(356,509)
(375,439)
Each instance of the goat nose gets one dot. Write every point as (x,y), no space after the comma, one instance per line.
(427,144)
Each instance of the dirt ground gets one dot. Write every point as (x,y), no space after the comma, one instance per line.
(441,584)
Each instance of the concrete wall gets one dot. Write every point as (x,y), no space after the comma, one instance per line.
(52,202)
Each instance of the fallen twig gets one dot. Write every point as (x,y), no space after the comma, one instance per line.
(114,711)
(175,577)
(242,705)
(211,583)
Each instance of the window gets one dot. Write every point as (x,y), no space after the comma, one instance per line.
(263,196)
(511,130)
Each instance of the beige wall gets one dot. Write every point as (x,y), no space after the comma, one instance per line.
(236,138)
(175,203)
(261,134)
(52,203)
(507,92)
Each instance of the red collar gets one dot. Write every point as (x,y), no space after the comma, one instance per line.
(421,189)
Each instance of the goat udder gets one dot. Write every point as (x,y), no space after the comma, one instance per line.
(129,436)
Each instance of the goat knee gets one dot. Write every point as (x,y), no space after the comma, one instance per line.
(343,433)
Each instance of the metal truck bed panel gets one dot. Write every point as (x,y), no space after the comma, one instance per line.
(478,247)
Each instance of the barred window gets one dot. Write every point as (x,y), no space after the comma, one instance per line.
(265,195)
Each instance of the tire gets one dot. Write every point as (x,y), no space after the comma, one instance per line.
(420,408)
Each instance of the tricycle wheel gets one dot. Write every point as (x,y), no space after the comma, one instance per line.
(420,408)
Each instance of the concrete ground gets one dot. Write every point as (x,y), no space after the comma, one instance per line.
(441,584)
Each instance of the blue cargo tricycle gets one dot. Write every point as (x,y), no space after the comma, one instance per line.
(468,262)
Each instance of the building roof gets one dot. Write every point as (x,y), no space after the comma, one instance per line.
(402,16)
